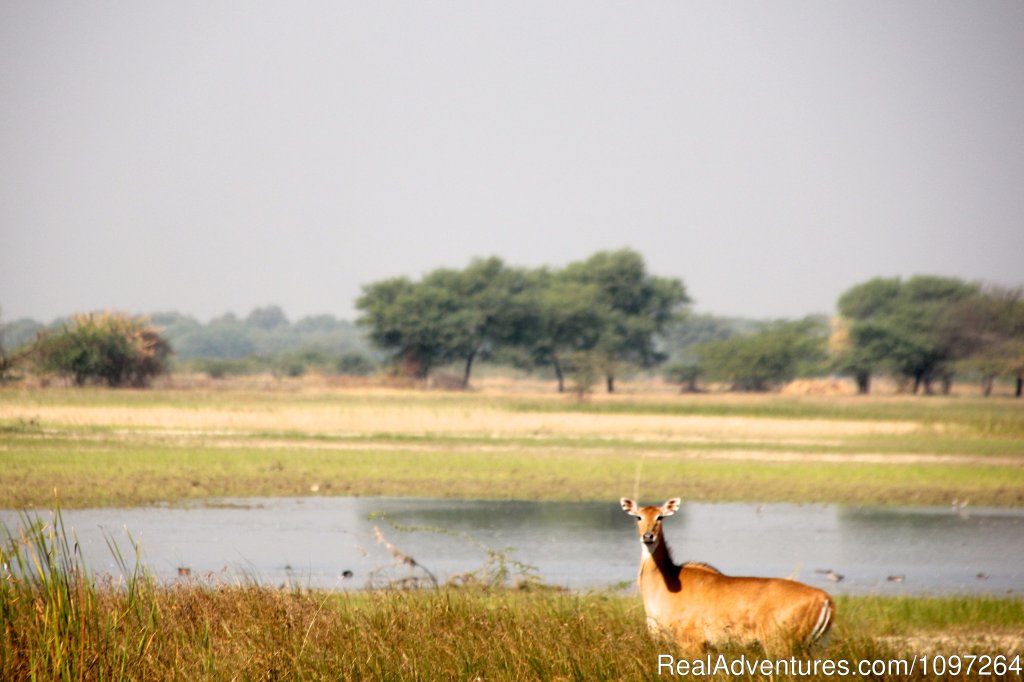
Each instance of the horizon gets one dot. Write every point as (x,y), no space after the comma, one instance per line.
(688,309)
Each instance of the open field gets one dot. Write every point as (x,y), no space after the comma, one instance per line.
(101,447)
(58,622)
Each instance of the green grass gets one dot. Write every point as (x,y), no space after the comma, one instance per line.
(57,621)
(104,447)
(990,417)
(116,472)
(911,615)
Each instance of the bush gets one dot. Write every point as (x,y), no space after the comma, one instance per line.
(109,348)
(776,354)
(355,364)
(685,373)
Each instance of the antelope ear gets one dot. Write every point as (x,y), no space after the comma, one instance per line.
(628,506)
(670,507)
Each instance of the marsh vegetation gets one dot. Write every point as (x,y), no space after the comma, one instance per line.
(59,621)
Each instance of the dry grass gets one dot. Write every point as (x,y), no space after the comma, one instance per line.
(58,622)
(401,413)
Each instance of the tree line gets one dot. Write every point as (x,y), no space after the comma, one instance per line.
(87,348)
(590,321)
(605,315)
(927,329)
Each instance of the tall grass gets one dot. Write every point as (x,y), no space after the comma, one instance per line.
(59,622)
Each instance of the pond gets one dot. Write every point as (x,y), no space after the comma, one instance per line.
(330,542)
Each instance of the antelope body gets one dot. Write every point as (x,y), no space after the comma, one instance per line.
(698,605)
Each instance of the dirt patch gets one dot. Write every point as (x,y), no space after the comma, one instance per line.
(954,644)
(428,419)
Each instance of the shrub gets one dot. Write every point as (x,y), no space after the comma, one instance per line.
(108,348)
(355,364)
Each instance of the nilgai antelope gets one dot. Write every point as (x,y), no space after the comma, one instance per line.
(698,605)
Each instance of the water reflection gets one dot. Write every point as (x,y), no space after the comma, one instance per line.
(330,542)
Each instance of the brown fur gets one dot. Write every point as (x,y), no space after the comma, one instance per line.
(697,605)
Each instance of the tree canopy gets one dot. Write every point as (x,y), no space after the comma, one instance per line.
(895,326)
(607,306)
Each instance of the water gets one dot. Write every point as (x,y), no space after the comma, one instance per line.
(329,542)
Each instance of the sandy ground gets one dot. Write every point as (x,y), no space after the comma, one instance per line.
(456,420)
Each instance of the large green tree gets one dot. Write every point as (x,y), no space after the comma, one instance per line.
(895,326)
(489,304)
(448,316)
(606,309)
(568,319)
(985,334)
(409,321)
(638,307)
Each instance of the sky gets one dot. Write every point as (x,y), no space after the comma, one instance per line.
(212,157)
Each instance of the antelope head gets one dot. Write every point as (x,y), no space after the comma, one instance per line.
(648,520)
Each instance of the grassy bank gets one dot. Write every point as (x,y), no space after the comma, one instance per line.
(104,448)
(59,622)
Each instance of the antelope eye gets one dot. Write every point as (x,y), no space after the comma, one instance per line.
(659,517)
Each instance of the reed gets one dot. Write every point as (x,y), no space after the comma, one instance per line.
(59,622)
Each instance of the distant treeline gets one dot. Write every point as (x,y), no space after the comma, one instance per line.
(606,316)
(263,341)
(593,320)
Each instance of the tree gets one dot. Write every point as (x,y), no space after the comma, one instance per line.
(267,318)
(776,354)
(568,319)
(848,358)
(684,373)
(985,333)
(871,299)
(108,348)
(449,315)
(489,305)
(639,307)
(896,326)
(411,321)
(608,307)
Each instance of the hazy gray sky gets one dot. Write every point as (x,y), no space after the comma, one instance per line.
(213,156)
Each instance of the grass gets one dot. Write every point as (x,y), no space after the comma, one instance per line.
(117,472)
(123,448)
(57,621)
